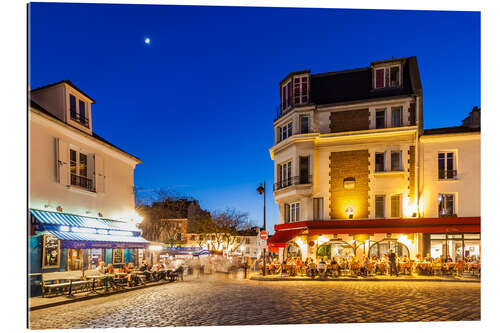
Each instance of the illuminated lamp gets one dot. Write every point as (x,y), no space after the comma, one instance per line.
(349,212)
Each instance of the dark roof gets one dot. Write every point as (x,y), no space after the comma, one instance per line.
(357,84)
(94,135)
(450,130)
(68,82)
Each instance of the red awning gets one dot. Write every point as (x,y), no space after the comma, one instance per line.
(281,237)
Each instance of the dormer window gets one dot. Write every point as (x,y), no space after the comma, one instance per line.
(80,115)
(295,92)
(388,77)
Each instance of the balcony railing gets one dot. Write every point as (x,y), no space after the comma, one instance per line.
(288,104)
(80,119)
(299,180)
(82,182)
(447,174)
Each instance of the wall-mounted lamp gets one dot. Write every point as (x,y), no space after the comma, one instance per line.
(349,212)
(59,209)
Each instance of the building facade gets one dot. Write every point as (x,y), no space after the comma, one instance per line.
(81,187)
(357,174)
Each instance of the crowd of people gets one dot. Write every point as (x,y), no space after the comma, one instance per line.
(389,263)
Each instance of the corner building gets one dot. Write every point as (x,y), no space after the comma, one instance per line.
(356,173)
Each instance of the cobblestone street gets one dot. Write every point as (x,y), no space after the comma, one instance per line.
(225,301)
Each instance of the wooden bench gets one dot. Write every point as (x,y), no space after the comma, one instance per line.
(69,280)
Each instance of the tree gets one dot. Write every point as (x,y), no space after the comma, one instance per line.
(227,227)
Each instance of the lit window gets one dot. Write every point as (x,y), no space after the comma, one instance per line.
(380,206)
(446,204)
(295,212)
(396,161)
(396,205)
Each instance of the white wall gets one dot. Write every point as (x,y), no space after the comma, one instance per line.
(117,200)
(467,186)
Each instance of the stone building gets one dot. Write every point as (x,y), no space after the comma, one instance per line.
(356,173)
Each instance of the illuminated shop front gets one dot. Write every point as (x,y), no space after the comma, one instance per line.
(68,242)
(405,237)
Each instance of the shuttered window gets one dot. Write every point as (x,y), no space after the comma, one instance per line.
(396,205)
(380,206)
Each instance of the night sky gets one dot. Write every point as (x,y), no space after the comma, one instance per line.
(197,103)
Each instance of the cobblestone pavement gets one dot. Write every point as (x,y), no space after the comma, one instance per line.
(224,301)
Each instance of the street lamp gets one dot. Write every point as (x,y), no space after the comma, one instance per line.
(262,190)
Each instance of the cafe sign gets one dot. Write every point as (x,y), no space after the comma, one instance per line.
(51,254)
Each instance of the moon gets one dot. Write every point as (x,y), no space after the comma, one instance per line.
(147,40)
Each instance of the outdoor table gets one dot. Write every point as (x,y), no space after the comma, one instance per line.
(94,277)
(71,279)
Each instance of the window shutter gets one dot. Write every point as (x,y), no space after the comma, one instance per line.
(100,177)
(62,160)
(91,170)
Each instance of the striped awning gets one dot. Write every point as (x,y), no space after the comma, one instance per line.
(76,240)
(71,220)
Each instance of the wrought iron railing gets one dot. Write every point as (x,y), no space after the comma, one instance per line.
(80,119)
(299,180)
(82,182)
(447,174)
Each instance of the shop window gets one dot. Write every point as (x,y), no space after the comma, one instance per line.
(293,250)
(74,259)
(118,256)
(337,249)
(95,256)
(382,248)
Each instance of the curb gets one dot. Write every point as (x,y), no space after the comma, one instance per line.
(85,298)
(361,280)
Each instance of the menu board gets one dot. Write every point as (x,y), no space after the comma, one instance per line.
(117,256)
(51,251)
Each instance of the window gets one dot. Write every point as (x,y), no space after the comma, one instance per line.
(446,204)
(397,116)
(286,95)
(380,206)
(304,124)
(394,76)
(396,161)
(396,205)
(379,78)
(79,170)
(388,77)
(318,208)
(295,212)
(284,175)
(380,118)
(300,89)
(379,162)
(445,166)
(285,132)
(304,170)
(247,240)
(72,106)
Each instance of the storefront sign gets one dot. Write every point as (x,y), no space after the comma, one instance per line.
(51,251)
(118,256)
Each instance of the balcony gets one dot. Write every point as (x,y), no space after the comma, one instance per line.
(82,120)
(288,104)
(300,180)
(447,174)
(83,182)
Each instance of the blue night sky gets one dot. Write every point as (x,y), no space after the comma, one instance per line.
(197,104)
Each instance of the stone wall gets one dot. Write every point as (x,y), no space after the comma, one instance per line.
(353,120)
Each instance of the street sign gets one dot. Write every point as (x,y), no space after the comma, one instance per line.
(262,243)
(263,235)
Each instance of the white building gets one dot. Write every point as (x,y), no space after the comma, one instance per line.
(81,187)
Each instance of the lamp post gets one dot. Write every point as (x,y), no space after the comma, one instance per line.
(262,190)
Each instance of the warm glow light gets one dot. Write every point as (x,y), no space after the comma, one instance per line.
(403,239)
(242,248)
(84,230)
(64,228)
(322,239)
(155,248)
(349,212)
